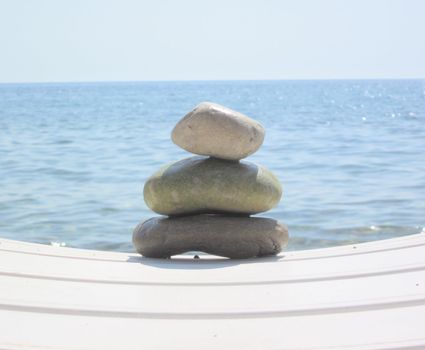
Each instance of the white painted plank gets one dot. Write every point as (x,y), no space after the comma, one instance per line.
(368,296)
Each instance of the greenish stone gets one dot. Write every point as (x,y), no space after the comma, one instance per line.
(209,185)
(233,237)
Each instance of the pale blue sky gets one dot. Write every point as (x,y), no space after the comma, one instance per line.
(98,40)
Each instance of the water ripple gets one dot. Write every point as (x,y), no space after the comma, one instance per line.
(74,157)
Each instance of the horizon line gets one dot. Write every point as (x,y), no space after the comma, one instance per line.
(198,80)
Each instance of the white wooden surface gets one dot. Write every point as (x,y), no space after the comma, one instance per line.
(367,296)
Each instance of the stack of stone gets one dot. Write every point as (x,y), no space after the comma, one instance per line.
(208,200)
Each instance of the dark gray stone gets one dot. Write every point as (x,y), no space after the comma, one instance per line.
(229,236)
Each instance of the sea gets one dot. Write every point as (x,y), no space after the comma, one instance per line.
(74,157)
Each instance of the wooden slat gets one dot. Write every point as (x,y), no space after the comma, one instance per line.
(366,296)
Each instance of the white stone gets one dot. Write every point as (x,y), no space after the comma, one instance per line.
(217,131)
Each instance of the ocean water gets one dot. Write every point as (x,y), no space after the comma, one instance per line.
(74,157)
